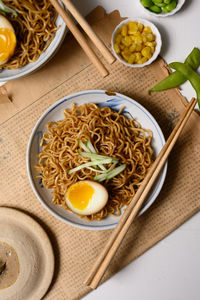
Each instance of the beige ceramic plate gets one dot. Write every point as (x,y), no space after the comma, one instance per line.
(27,251)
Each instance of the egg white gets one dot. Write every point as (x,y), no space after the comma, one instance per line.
(4,23)
(96,203)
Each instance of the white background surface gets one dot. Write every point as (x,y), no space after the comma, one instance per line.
(171,269)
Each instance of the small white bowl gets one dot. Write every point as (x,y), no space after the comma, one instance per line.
(155,32)
(178,7)
(6,75)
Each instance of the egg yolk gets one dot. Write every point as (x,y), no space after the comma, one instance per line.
(7,43)
(80,194)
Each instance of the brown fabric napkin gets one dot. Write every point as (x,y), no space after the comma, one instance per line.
(70,71)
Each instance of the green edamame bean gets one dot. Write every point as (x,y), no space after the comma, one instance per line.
(161,4)
(164,10)
(157,1)
(193,59)
(158,6)
(167,1)
(155,9)
(171,5)
(171,81)
(147,3)
(176,78)
(190,74)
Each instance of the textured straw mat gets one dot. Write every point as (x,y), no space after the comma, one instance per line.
(70,71)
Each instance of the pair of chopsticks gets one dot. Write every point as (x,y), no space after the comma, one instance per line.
(80,37)
(135,205)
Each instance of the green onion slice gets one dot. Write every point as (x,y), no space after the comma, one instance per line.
(92,149)
(110,174)
(100,177)
(98,161)
(83,146)
(89,164)
(97,156)
(116,171)
(96,170)
(6,9)
(90,146)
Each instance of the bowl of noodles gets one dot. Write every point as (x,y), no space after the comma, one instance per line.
(117,126)
(39,33)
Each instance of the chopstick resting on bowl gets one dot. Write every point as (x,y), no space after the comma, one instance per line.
(135,205)
(80,37)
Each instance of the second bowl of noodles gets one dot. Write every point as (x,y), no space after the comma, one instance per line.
(115,126)
(39,33)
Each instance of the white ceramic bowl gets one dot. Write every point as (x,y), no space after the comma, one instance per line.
(6,75)
(155,32)
(55,113)
(178,7)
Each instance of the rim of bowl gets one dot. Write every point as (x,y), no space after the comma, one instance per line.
(50,51)
(154,30)
(50,210)
(163,15)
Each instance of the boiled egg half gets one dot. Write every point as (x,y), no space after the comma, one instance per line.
(7,40)
(86,197)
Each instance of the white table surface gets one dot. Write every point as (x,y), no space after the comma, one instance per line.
(171,269)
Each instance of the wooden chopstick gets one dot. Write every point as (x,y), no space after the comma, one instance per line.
(80,38)
(87,28)
(132,210)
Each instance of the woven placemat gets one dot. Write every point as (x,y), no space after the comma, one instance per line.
(70,71)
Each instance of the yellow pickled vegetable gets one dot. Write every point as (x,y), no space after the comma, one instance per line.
(124,30)
(150,37)
(132,27)
(150,44)
(138,47)
(140,27)
(131,59)
(138,57)
(135,43)
(132,47)
(127,41)
(118,38)
(147,29)
(146,52)
(117,49)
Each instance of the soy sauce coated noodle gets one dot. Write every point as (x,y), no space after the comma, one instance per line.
(34,27)
(112,134)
